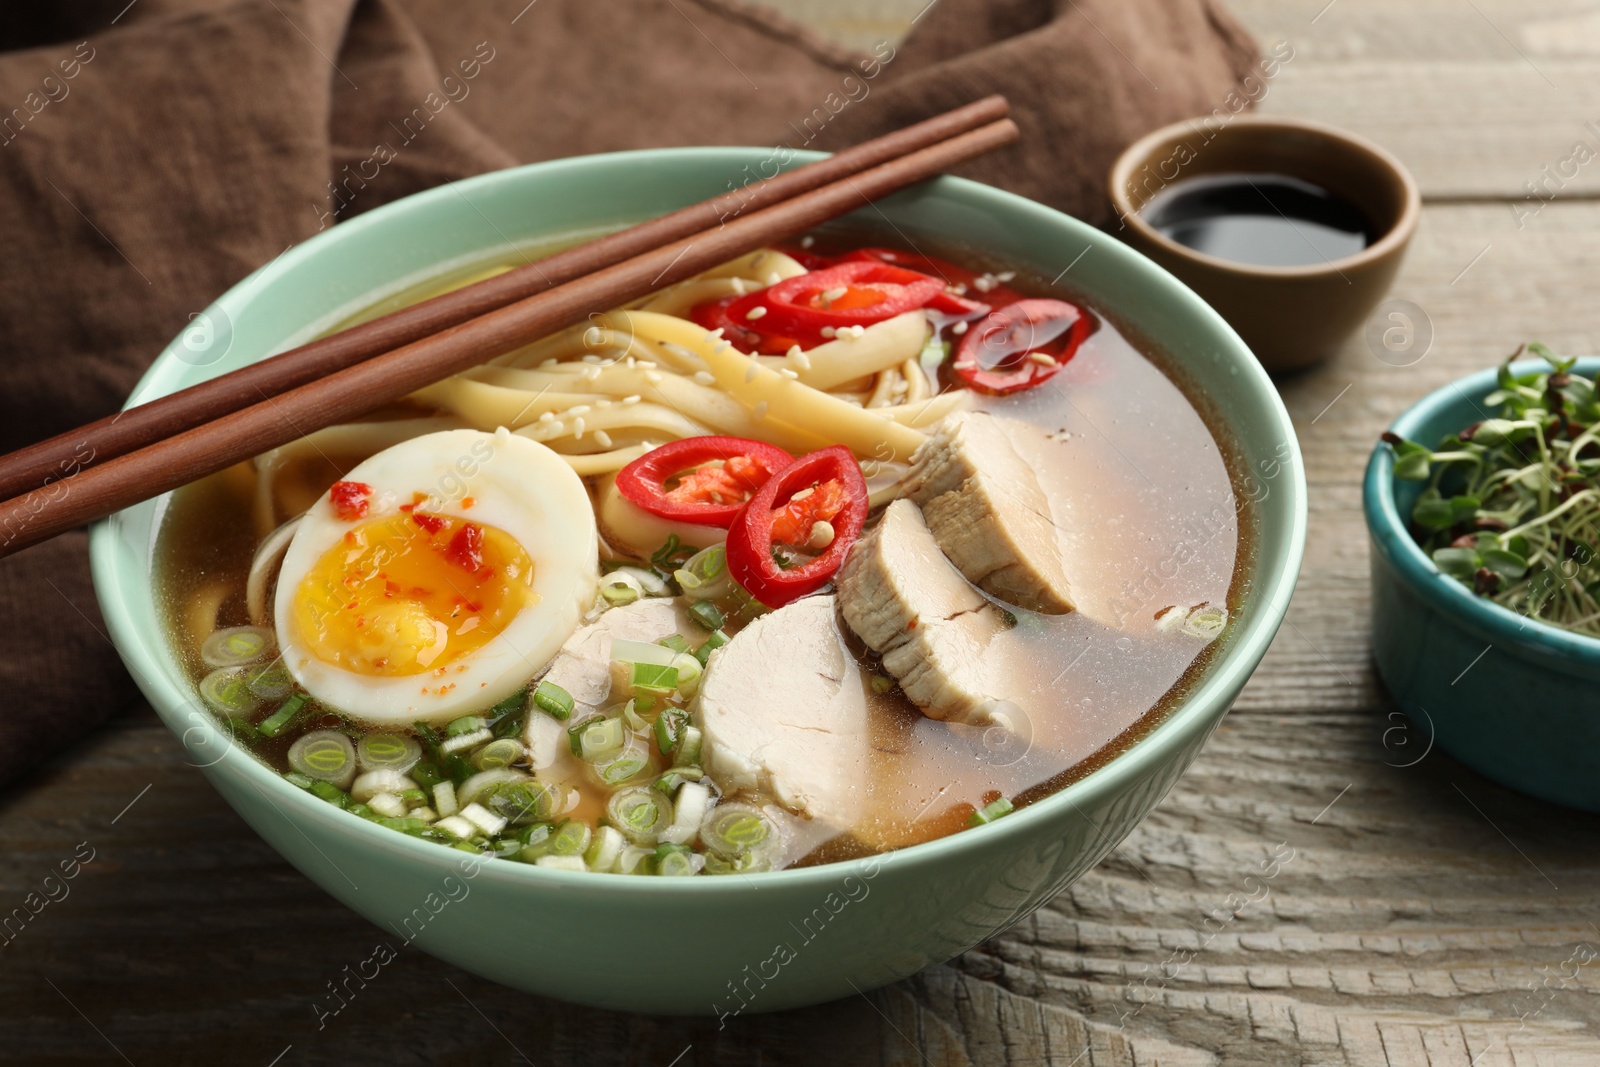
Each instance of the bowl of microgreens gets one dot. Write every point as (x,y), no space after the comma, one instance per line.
(1483,502)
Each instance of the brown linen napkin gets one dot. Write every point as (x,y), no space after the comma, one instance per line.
(154,153)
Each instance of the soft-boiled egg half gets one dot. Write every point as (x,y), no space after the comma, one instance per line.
(437,577)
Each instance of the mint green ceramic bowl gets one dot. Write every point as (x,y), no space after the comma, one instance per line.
(751,943)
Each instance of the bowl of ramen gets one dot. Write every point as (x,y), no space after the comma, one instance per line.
(804,624)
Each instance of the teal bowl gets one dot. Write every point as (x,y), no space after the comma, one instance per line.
(1515,699)
(734,944)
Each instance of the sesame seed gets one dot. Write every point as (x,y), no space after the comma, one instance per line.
(787,373)
(721,346)
(1043,358)
(577,428)
(551,362)
(592,359)
(591,374)
(602,403)
(1005,275)
(802,494)
(548,416)
(634,399)
(648,364)
(738,286)
(652,376)
(755,313)
(807,241)
(828,296)
(578,409)
(799,358)
(750,375)
(828,331)
(959,328)
(774,278)
(602,438)
(717,333)
(705,377)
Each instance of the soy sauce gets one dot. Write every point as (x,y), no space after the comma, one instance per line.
(1267,220)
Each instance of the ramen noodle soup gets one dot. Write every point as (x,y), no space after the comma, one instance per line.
(828,551)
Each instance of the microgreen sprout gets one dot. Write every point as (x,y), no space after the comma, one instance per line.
(1512,503)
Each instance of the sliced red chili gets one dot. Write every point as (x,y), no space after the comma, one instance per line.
(1019,346)
(466,548)
(994,293)
(850,294)
(350,499)
(700,480)
(751,538)
(713,315)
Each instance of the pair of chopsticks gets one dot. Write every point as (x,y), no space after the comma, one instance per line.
(156,447)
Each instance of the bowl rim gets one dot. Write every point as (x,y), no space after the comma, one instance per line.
(1497,624)
(1142,759)
(1392,242)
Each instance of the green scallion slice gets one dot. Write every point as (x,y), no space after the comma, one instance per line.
(388,752)
(496,754)
(676,642)
(227,692)
(280,720)
(736,829)
(688,750)
(326,755)
(669,729)
(595,737)
(572,839)
(236,646)
(553,700)
(467,724)
(640,813)
(272,681)
(674,861)
(990,812)
(653,678)
(707,614)
(712,643)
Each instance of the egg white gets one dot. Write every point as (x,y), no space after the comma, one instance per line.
(514,484)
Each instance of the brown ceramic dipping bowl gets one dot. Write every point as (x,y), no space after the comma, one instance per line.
(1291,317)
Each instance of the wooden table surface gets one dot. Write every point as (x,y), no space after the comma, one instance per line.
(1428,916)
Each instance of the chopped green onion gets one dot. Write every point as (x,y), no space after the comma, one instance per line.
(506,717)
(236,646)
(527,801)
(372,783)
(496,754)
(707,614)
(640,813)
(620,588)
(605,849)
(676,642)
(326,755)
(990,812)
(467,724)
(674,861)
(689,671)
(688,750)
(668,783)
(653,678)
(572,839)
(427,774)
(465,742)
(636,860)
(712,643)
(414,798)
(394,752)
(405,826)
(279,721)
(553,700)
(744,863)
(736,829)
(331,793)
(623,766)
(271,682)
(298,780)
(595,737)
(641,652)
(561,863)
(669,729)
(704,576)
(227,691)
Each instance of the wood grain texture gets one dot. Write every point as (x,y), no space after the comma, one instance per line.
(1423,916)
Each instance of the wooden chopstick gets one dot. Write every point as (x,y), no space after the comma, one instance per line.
(346,394)
(50,460)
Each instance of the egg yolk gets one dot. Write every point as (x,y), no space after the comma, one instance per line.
(412,592)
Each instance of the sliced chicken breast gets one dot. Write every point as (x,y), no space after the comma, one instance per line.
(783,710)
(902,597)
(988,512)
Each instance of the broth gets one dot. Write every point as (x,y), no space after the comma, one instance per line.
(1148,518)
